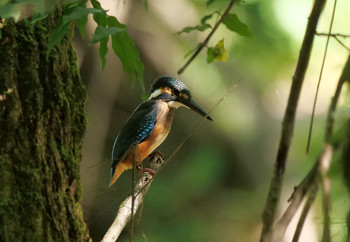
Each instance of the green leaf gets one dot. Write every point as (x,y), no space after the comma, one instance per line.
(124,47)
(81,23)
(102,33)
(209,2)
(56,35)
(234,24)
(102,52)
(13,9)
(145,4)
(218,53)
(100,18)
(206,18)
(210,54)
(76,12)
(189,29)
(79,12)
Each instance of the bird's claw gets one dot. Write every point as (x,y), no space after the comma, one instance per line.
(149,170)
(155,153)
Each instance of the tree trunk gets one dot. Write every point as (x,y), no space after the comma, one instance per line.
(42,123)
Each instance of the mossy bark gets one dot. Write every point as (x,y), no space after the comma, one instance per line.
(42,123)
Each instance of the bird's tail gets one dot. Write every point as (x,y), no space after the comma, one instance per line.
(116,172)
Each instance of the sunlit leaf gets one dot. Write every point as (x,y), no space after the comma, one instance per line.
(220,52)
(233,23)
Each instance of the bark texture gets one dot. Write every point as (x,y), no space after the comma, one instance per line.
(42,123)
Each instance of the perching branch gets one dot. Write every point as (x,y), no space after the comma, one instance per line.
(208,37)
(289,120)
(125,209)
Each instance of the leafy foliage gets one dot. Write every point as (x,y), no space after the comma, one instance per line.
(76,14)
(202,27)
(233,23)
(122,45)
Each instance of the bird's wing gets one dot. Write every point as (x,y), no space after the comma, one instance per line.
(136,129)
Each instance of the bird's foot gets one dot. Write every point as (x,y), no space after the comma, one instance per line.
(154,153)
(149,170)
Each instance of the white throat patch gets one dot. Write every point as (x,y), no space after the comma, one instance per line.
(174,104)
(154,94)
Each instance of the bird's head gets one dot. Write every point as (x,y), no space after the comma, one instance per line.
(176,94)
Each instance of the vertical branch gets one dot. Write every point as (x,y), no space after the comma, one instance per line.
(330,116)
(289,119)
(325,162)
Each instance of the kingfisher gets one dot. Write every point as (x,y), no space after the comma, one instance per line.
(150,123)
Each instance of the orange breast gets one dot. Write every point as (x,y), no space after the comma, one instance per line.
(160,132)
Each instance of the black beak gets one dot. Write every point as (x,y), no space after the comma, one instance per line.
(190,103)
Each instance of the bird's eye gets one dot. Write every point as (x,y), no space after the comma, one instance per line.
(184,96)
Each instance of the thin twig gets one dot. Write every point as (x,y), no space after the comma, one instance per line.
(319,78)
(341,43)
(331,112)
(333,35)
(289,120)
(304,213)
(208,37)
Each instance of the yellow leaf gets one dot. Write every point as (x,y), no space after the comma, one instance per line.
(221,53)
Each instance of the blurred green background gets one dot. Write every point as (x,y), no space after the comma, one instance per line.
(215,188)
